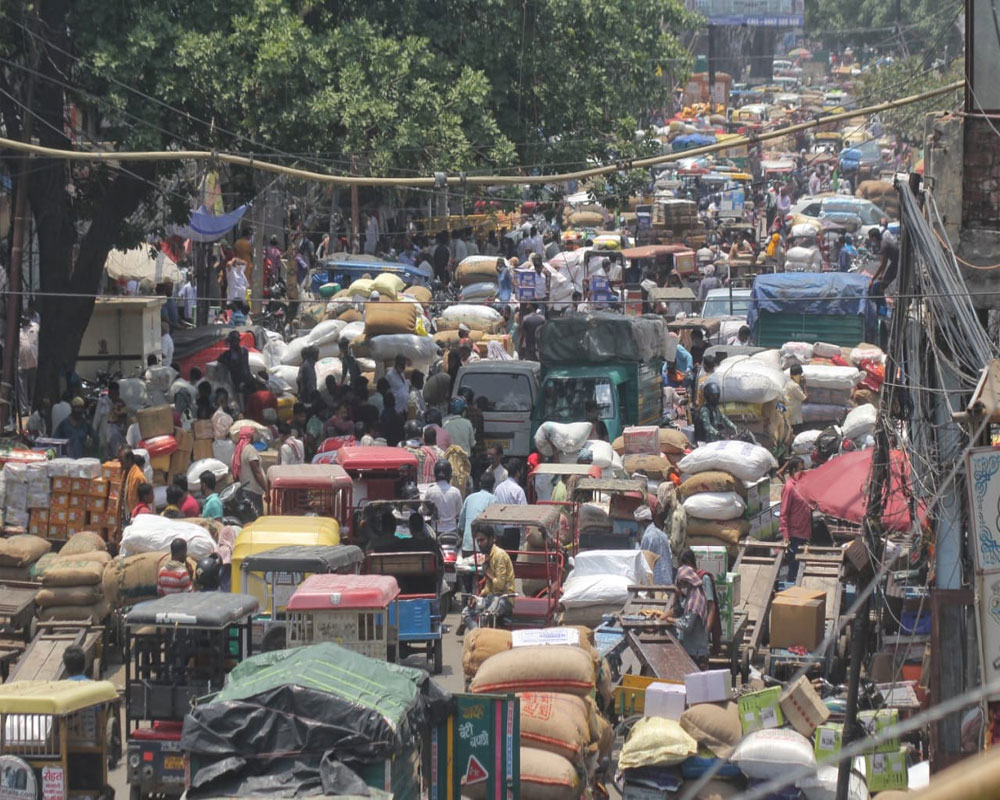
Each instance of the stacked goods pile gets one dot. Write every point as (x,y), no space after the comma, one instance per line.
(752,393)
(25,488)
(562,441)
(72,580)
(882,194)
(563,734)
(598,584)
(85,497)
(477,275)
(720,479)
(149,533)
(18,553)
(653,450)
(678,218)
(485,324)
(127,580)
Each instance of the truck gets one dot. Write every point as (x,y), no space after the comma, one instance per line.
(609,359)
(506,392)
(832,307)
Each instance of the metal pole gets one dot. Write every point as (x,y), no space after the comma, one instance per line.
(355,211)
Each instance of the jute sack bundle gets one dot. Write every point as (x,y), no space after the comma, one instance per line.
(711,481)
(74,573)
(351,315)
(58,560)
(419,293)
(714,725)
(130,579)
(556,668)
(451,338)
(22,550)
(726,531)
(656,467)
(481,643)
(94,613)
(556,723)
(83,542)
(69,596)
(674,442)
(476,269)
(545,776)
(384,318)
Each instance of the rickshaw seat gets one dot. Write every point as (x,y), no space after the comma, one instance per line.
(531,607)
(160,731)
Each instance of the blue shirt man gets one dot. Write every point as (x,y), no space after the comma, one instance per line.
(474,505)
(847,252)
(77,429)
(656,541)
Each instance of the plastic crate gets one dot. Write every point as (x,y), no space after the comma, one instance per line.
(367,632)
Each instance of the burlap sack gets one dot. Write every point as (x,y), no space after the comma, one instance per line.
(656,467)
(545,776)
(131,579)
(92,613)
(479,645)
(448,339)
(714,725)
(389,318)
(419,293)
(477,269)
(545,668)
(73,573)
(351,315)
(711,481)
(556,723)
(83,542)
(22,550)
(673,441)
(727,532)
(36,570)
(69,596)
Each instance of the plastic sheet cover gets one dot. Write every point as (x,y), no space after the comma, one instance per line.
(285,717)
(601,337)
(810,293)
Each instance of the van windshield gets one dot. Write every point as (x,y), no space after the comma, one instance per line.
(502,391)
(566,399)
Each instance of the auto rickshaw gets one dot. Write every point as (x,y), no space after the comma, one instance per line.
(273,575)
(266,533)
(177,648)
(662,259)
(54,739)
(671,301)
(378,473)
(320,489)
(605,517)
(543,477)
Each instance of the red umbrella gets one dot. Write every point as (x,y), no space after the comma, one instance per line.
(839,488)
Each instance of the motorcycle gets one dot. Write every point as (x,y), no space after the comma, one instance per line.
(451,551)
(236,506)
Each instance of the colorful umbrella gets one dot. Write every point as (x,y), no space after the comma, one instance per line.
(839,488)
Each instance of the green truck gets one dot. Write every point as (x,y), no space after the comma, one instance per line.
(611,360)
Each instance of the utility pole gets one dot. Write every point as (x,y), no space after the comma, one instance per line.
(355,211)
(8,388)
(259,219)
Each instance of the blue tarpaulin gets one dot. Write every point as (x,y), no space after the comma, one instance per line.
(207,227)
(692,140)
(811,293)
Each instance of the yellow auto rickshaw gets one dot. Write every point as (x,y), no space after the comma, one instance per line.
(266,533)
(57,738)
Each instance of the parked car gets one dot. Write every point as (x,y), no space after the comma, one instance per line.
(841,208)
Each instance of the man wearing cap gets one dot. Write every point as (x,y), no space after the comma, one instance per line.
(656,541)
(77,429)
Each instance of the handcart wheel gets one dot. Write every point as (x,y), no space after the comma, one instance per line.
(745,666)
(134,792)
(444,604)
(438,655)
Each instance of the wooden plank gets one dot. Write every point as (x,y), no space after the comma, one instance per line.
(43,660)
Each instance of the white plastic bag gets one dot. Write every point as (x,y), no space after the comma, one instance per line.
(769,753)
(715,505)
(803,443)
(480,318)
(213,465)
(286,373)
(747,380)
(748,462)
(859,354)
(826,350)
(133,393)
(803,351)
(860,421)
(561,437)
(326,331)
(627,563)
(150,533)
(821,376)
(594,590)
(603,455)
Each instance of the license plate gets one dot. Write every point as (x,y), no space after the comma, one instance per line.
(504,443)
(173,762)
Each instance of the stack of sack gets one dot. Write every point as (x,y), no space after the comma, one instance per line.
(653,450)
(127,580)
(563,734)
(714,490)
(752,392)
(598,584)
(72,580)
(833,377)
(562,440)
(477,275)
(19,553)
(485,325)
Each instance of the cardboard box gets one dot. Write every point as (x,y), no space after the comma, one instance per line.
(714,560)
(60,483)
(762,526)
(80,486)
(114,491)
(156,421)
(98,520)
(78,500)
(712,686)
(57,532)
(202,429)
(884,771)
(60,500)
(99,487)
(77,517)
(802,707)
(179,462)
(642,440)
(38,515)
(798,618)
(202,449)
(874,722)
(159,464)
(184,439)
(758,496)
(38,522)
(666,700)
(827,740)
(97,504)
(111,471)
(735,583)
(759,710)
(58,516)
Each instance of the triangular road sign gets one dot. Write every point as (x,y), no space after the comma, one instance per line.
(475,772)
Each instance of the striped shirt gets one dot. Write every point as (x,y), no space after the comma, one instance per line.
(173,578)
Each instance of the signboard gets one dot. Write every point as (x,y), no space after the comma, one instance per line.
(479,744)
(983,469)
(18,779)
(731,206)
(530,637)
(753,13)
(988,592)
(53,783)
(524,280)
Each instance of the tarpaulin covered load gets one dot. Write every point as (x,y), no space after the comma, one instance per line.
(827,293)
(601,337)
(312,705)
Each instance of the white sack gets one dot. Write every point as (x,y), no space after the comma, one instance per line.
(568,437)
(133,393)
(223,449)
(803,351)
(476,317)
(286,373)
(770,357)
(821,376)
(748,381)
(150,533)
(593,590)
(274,351)
(748,462)
(860,421)
(213,465)
(420,351)
(352,330)
(826,350)
(603,455)
(181,385)
(328,366)
(630,564)
(257,362)
(859,354)
(715,505)
(326,331)
(773,752)
(804,442)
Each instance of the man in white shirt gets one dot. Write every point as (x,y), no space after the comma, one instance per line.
(61,410)
(166,344)
(398,383)
(460,248)
(188,294)
(27,364)
(814,183)
(445,498)
(496,465)
(510,491)
(535,242)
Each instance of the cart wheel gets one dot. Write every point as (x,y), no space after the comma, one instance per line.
(444,604)
(438,655)
(134,792)
(745,667)
(114,738)
(30,630)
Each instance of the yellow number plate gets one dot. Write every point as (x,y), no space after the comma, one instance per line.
(173,762)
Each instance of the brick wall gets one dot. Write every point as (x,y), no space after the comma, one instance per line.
(981,190)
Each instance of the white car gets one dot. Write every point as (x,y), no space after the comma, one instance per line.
(841,208)
(731,313)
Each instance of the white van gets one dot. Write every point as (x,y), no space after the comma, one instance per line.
(510,389)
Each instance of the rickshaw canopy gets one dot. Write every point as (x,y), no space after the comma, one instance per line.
(610,485)
(544,517)
(308,476)
(674,294)
(325,592)
(207,610)
(304,558)
(361,459)
(55,698)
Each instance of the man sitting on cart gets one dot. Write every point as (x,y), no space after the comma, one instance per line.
(496,586)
